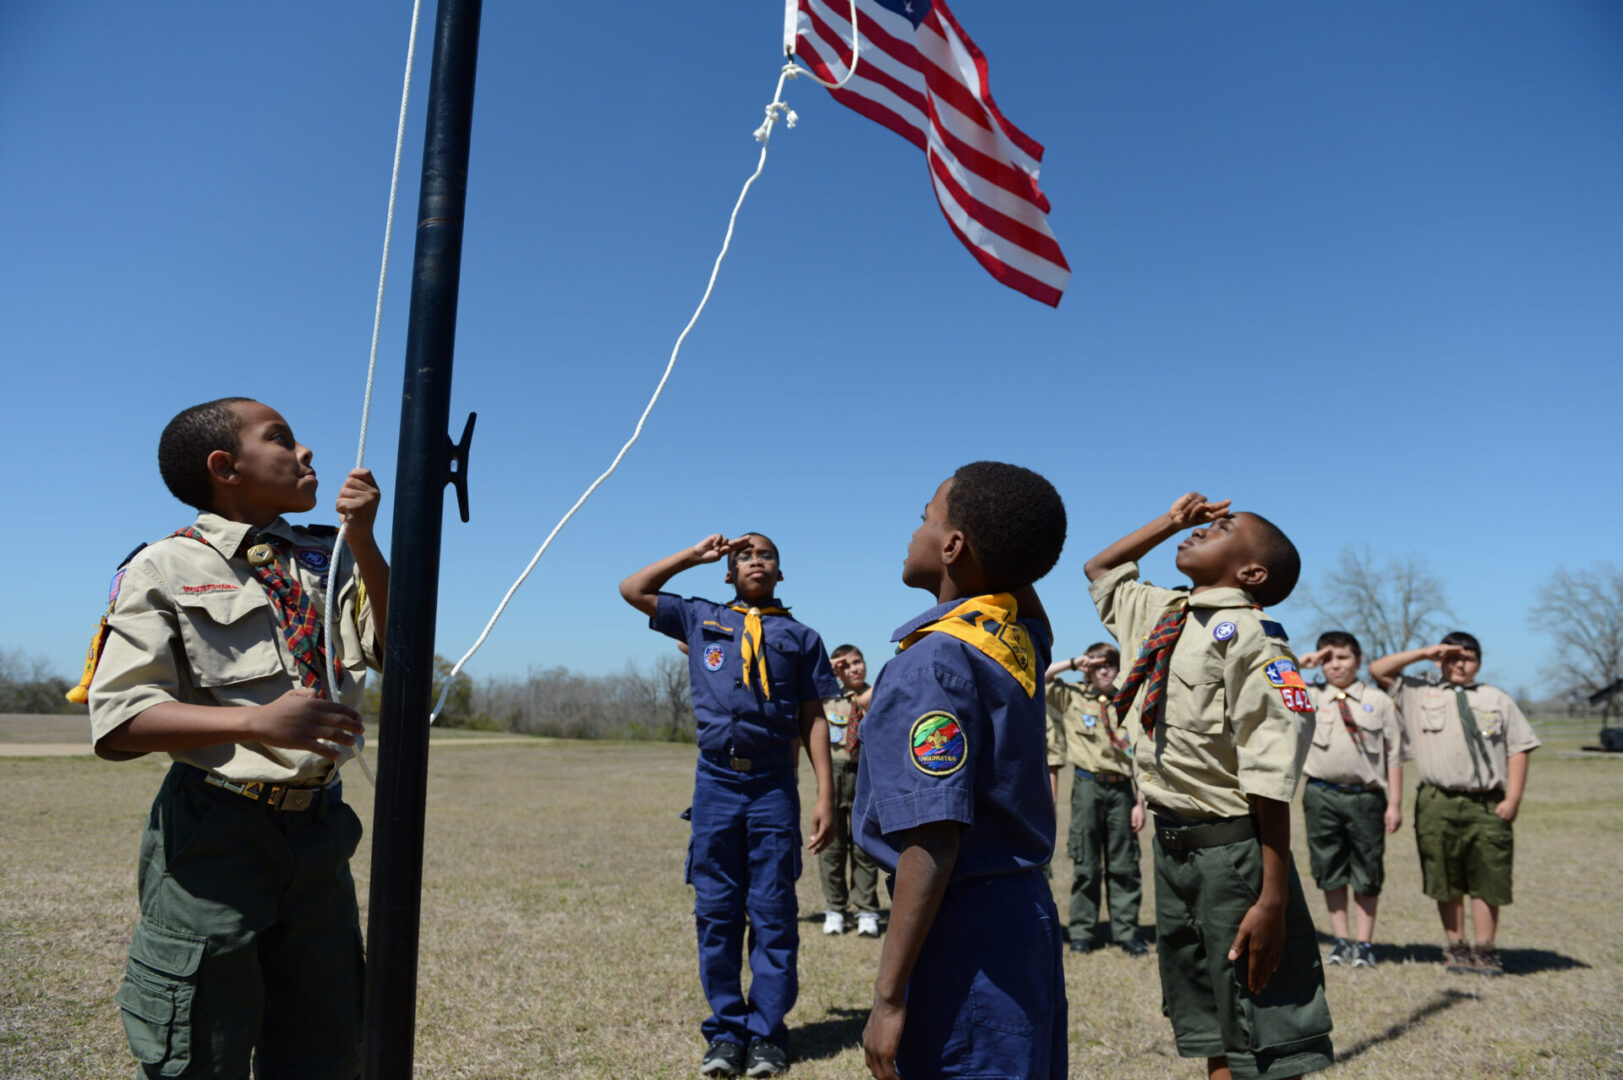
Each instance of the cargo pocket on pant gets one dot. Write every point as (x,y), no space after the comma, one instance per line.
(1290,1013)
(160,981)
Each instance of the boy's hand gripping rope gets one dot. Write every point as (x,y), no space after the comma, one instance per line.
(763,135)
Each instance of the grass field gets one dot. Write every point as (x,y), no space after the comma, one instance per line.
(557,939)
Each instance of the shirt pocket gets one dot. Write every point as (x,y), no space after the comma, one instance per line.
(228,637)
(1196,700)
(784,666)
(1434,709)
(1491,722)
(1322,728)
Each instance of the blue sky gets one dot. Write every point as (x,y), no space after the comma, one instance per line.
(1356,266)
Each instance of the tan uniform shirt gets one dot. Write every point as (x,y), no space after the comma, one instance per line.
(841,712)
(1436,741)
(1237,720)
(1339,759)
(192,626)
(1078,733)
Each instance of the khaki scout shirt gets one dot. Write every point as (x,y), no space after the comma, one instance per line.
(190,625)
(1078,733)
(1229,729)
(841,713)
(1334,756)
(1436,741)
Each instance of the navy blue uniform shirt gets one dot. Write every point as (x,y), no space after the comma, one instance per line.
(731,716)
(951,736)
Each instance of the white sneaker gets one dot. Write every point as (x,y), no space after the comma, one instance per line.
(833,922)
(867,924)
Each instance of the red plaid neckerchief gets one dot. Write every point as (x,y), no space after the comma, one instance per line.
(301,622)
(1154,659)
(853,738)
(1356,732)
(1112,727)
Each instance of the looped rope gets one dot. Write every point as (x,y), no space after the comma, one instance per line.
(856,51)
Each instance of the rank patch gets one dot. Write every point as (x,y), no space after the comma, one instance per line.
(714,657)
(1089,720)
(1223,631)
(313,559)
(938,744)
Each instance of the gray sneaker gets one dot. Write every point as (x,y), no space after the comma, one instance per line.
(1341,952)
(1363,955)
(766,1059)
(722,1057)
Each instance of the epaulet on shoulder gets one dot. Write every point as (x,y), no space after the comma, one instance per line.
(327,531)
(1273,629)
(133,553)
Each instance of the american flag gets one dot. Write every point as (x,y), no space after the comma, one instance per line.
(920,75)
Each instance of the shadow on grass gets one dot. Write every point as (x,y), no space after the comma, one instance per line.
(1516,961)
(1441,1002)
(839,1031)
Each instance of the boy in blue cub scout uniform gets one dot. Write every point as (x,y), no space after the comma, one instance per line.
(953,798)
(213,651)
(759,680)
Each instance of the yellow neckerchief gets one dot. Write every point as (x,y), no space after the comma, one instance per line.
(987,623)
(754,648)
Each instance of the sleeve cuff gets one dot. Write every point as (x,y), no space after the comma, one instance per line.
(925,807)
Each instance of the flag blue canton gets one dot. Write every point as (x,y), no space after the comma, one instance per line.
(912,10)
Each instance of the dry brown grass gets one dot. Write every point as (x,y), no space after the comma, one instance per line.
(557,940)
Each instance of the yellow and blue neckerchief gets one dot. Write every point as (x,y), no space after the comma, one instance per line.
(753,648)
(988,624)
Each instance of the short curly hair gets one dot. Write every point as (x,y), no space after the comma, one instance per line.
(1012,518)
(189,439)
(1284,563)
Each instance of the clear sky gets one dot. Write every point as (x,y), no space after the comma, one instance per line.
(1357,266)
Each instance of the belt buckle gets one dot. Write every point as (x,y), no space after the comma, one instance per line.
(739,764)
(1170,840)
(293,798)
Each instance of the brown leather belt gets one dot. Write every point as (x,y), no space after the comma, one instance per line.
(1101,777)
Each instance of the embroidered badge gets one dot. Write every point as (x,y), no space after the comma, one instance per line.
(1369,708)
(1281,672)
(1089,721)
(213,586)
(1223,631)
(938,744)
(1273,629)
(714,657)
(112,590)
(313,558)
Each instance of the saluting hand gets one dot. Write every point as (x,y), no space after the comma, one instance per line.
(1195,509)
(1314,658)
(358,502)
(1444,653)
(1262,941)
(299,720)
(716,547)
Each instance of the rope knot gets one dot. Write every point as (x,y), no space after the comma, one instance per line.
(790,118)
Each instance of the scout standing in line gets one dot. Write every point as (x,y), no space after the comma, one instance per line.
(759,680)
(1354,791)
(953,795)
(845,735)
(1106,810)
(1471,743)
(249,944)
(1221,721)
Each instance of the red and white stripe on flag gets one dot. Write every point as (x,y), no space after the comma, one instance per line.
(928,84)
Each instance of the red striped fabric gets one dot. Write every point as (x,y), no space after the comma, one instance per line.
(928,84)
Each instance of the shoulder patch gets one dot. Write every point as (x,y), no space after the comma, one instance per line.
(1274,630)
(937,744)
(1223,631)
(1281,671)
(320,530)
(133,553)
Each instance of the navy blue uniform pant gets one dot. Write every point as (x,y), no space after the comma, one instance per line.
(743,862)
(987,996)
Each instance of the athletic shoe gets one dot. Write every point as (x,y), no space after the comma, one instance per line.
(1082,945)
(1340,953)
(766,1059)
(867,924)
(1487,961)
(833,922)
(1363,955)
(1133,947)
(723,1058)
(1458,958)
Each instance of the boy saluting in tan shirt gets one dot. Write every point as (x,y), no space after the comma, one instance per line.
(1221,721)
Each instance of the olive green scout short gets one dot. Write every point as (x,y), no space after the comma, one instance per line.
(1346,837)
(249,944)
(1200,897)
(1465,848)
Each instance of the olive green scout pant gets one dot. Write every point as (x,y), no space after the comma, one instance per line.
(1346,837)
(864,890)
(1103,849)
(249,944)
(1200,898)
(1465,848)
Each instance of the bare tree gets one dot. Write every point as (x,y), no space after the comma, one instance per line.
(1389,605)
(1582,612)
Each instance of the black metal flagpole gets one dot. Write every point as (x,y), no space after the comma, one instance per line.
(427,462)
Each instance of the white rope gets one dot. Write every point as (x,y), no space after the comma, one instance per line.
(763,135)
(796,71)
(371,372)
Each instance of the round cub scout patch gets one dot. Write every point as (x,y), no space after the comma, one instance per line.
(714,657)
(313,558)
(1223,631)
(938,744)
(1089,720)
(1369,708)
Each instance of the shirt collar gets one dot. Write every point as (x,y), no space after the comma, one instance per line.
(929,616)
(227,536)
(1354,690)
(739,601)
(1226,597)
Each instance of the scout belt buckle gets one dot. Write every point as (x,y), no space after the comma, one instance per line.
(276,796)
(740,764)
